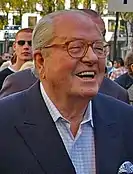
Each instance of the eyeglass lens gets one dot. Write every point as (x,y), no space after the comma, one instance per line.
(79,48)
(22,42)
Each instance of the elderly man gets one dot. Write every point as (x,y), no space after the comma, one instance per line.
(13,83)
(61,125)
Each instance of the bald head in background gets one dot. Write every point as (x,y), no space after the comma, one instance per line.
(97,19)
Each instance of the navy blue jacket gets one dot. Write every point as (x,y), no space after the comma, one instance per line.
(124,80)
(113,89)
(30,142)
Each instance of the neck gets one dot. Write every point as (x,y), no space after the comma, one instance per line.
(71,108)
(17,65)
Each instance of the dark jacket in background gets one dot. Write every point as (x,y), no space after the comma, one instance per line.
(17,82)
(124,80)
(113,89)
(3,74)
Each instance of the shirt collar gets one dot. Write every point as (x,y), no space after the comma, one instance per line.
(55,114)
(9,67)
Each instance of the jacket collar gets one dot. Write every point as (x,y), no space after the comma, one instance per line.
(41,136)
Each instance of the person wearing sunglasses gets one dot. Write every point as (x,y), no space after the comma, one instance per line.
(22,47)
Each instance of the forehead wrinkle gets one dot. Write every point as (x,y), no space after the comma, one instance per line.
(48,26)
(70,18)
(62,34)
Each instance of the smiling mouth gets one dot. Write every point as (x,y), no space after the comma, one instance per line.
(86,75)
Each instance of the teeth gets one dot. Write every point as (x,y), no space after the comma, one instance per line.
(87,73)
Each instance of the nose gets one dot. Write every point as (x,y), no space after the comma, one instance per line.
(90,57)
(26,45)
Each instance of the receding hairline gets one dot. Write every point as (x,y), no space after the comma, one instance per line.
(23,30)
(51,16)
(74,14)
(47,24)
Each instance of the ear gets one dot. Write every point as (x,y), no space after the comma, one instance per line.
(14,46)
(132,67)
(39,61)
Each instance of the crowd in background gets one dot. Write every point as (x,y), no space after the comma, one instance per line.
(121,71)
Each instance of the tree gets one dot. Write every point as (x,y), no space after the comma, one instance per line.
(22,6)
(87,3)
(101,5)
(74,4)
(60,4)
(5,7)
(128,21)
(48,6)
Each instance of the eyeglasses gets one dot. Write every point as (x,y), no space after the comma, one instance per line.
(22,42)
(78,48)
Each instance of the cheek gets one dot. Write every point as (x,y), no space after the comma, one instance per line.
(62,64)
(61,74)
(18,50)
(132,68)
(62,69)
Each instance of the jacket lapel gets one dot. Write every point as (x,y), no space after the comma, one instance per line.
(43,140)
(41,136)
(108,137)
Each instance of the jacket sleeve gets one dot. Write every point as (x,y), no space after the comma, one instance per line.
(7,87)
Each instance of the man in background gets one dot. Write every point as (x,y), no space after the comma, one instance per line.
(22,53)
(119,69)
(126,79)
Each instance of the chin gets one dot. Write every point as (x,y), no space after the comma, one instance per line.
(86,91)
(89,93)
(27,58)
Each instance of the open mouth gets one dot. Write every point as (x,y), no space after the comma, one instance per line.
(87,74)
